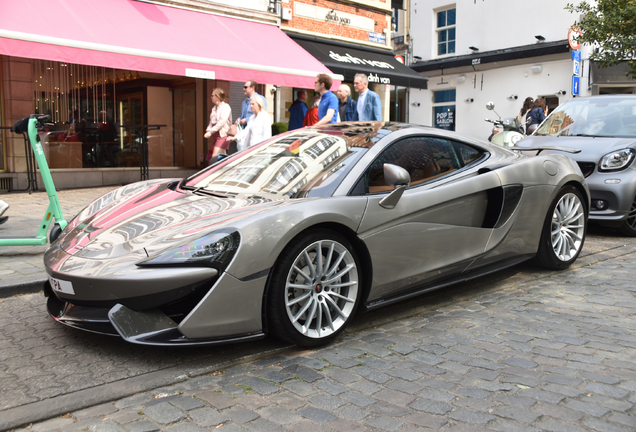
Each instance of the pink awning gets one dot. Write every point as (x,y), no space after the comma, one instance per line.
(133,35)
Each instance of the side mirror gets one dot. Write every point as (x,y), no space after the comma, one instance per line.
(490,106)
(400,178)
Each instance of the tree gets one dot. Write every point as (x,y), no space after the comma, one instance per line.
(610,27)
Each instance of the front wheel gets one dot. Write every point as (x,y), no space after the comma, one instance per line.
(564,230)
(628,227)
(315,289)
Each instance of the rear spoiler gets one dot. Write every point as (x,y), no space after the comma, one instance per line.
(540,149)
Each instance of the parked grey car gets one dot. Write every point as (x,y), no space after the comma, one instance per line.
(293,236)
(604,129)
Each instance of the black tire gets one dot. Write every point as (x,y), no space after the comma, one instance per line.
(308,306)
(628,227)
(563,231)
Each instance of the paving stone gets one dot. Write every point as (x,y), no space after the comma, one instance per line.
(331,387)
(605,379)
(587,408)
(558,412)
(135,400)
(317,415)
(142,426)
(365,387)
(300,388)
(425,420)
(607,390)
(305,374)
(216,399)
(287,400)
(541,395)
(387,409)
(164,413)
(375,363)
(357,398)
(394,397)
(276,377)
(469,416)
(559,379)
(343,425)
(184,427)
(352,412)
(105,426)
(436,395)
(430,406)
(207,417)
(519,362)
(383,423)
(516,413)
(624,419)
(263,425)
(279,415)
(404,386)
(403,349)
(240,415)
(187,403)
(342,376)
(483,374)
(326,401)
(426,358)
(341,361)
(371,374)
(474,393)
(600,425)
(557,426)
(436,383)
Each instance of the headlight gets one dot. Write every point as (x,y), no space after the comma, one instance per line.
(214,250)
(617,160)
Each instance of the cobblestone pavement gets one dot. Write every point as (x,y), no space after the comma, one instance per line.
(537,352)
(24,264)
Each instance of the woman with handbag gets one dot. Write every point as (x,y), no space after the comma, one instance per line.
(220,121)
(259,126)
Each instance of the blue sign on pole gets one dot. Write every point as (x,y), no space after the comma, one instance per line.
(576,55)
(576,68)
(575,85)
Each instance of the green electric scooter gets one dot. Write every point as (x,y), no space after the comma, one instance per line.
(31,125)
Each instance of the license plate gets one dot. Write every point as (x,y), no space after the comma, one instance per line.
(62,286)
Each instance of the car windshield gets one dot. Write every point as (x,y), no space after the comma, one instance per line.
(594,116)
(302,164)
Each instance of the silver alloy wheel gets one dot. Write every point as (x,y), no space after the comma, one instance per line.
(568,227)
(321,289)
(631,218)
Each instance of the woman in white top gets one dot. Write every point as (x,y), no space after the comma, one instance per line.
(220,121)
(259,125)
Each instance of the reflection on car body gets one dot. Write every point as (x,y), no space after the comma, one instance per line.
(293,236)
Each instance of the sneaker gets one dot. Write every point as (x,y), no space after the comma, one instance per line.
(3,207)
(3,219)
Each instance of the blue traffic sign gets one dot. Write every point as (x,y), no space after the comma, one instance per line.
(576,55)
(576,68)
(575,85)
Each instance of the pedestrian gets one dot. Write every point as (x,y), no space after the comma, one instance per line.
(220,121)
(298,110)
(369,106)
(328,107)
(3,208)
(537,114)
(259,125)
(249,90)
(495,131)
(347,107)
(525,109)
(311,118)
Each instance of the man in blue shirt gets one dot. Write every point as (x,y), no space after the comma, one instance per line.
(328,101)
(297,111)
(249,89)
(369,106)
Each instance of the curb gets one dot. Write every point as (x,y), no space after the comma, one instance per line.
(31,287)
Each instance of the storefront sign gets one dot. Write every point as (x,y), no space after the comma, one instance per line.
(445,117)
(333,18)
(348,58)
(199,73)
(374,78)
(377,38)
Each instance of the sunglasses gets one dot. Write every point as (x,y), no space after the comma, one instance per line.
(246,87)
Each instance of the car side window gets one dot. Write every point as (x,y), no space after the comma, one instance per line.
(424,158)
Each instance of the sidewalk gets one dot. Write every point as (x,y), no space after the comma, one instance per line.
(22,267)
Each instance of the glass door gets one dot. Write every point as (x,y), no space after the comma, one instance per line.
(131,114)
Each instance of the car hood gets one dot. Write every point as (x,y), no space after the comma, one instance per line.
(592,148)
(151,218)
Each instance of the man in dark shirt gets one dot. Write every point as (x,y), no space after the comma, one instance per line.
(347,107)
(297,111)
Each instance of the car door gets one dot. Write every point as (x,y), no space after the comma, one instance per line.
(436,229)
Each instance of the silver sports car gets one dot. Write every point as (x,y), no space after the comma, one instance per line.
(603,128)
(295,235)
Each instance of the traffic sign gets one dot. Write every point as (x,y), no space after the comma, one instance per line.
(576,55)
(576,68)
(575,85)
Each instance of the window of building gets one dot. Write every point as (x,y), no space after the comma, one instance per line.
(446,32)
(444,109)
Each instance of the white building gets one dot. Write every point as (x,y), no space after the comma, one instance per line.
(502,51)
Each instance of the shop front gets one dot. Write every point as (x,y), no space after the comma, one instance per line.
(387,76)
(113,89)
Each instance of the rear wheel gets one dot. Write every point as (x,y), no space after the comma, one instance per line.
(628,228)
(315,289)
(564,230)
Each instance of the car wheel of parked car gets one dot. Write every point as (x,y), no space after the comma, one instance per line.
(628,228)
(315,289)
(563,230)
